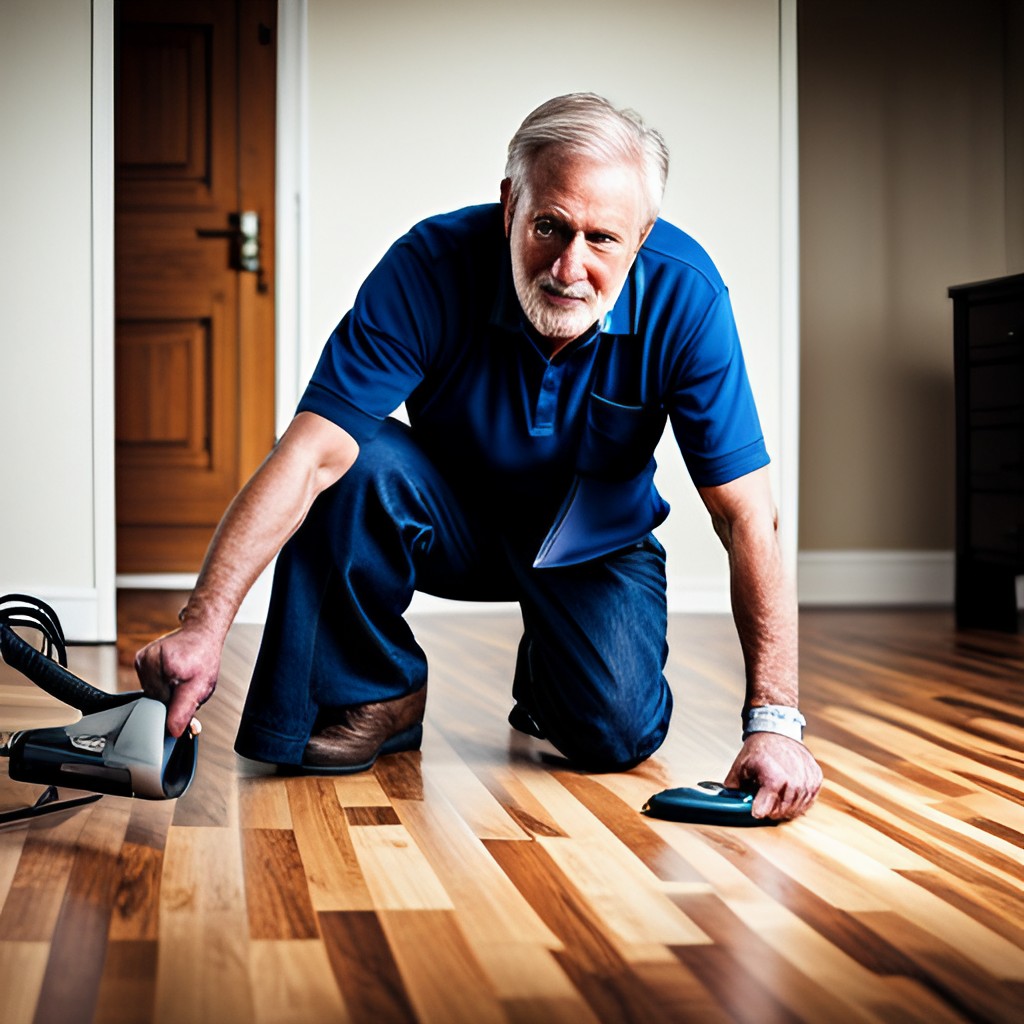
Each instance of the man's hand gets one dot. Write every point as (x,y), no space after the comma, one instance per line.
(784,771)
(180,669)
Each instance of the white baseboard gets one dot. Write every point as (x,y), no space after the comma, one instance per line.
(77,608)
(695,595)
(254,607)
(155,581)
(879,578)
(825,578)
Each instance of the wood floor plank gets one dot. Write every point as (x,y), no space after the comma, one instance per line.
(842,929)
(400,776)
(987,906)
(460,786)
(79,946)
(203,966)
(588,956)
(942,848)
(127,992)
(532,1010)
(136,904)
(329,860)
(385,815)
(527,971)
(22,967)
(364,966)
(12,843)
(362,790)
(948,972)
(443,978)
(263,803)
(630,828)
(398,874)
(292,983)
(491,910)
(637,917)
(277,894)
(36,893)
(519,803)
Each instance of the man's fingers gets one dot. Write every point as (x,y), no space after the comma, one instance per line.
(184,702)
(151,678)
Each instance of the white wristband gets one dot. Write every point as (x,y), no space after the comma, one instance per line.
(778,718)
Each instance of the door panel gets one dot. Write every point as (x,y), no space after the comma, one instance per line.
(194,343)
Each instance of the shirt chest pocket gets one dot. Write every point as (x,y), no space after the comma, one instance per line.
(618,440)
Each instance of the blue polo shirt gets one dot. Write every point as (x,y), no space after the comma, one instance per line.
(559,449)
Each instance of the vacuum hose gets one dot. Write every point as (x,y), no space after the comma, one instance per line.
(48,668)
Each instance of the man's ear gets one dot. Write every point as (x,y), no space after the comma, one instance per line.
(643,235)
(507,206)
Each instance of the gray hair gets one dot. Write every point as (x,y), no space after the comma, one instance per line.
(588,124)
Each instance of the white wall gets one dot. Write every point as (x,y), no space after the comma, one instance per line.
(46,306)
(412,104)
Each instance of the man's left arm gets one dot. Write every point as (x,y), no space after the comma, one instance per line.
(782,769)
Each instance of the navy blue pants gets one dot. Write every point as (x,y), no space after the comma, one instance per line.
(590,669)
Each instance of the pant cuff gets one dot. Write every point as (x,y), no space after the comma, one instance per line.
(259,743)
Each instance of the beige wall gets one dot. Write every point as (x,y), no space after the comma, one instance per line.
(46,357)
(412,104)
(911,181)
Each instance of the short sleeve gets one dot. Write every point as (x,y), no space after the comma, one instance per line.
(378,354)
(712,408)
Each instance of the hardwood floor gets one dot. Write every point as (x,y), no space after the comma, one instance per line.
(482,880)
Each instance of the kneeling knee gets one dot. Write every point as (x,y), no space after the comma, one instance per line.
(611,749)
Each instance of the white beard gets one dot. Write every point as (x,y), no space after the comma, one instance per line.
(549,320)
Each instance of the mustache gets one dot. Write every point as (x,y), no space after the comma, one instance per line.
(581,290)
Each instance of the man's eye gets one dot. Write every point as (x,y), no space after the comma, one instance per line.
(599,239)
(544,228)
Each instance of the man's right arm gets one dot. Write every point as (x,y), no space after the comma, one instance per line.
(181,667)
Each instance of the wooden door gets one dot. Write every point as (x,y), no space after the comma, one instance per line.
(195,334)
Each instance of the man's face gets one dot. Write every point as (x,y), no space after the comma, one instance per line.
(574,231)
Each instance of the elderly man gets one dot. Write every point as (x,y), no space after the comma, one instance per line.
(540,345)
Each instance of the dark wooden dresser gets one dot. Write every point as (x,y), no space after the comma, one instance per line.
(988,347)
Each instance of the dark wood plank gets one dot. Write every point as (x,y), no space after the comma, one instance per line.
(277,895)
(127,991)
(372,816)
(365,968)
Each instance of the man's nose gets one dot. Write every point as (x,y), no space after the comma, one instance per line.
(569,267)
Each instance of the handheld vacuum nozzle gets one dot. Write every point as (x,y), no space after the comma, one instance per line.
(120,746)
(124,751)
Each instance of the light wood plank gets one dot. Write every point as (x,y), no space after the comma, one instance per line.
(397,872)
(491,910)
(333,873)
(444,980)
(203,973)
(22,966)
(292,983)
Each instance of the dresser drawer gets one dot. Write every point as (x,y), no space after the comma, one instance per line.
(997,458)
(996,323)
(996,385)
(997,524)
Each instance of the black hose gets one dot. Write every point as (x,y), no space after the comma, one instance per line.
(49,674)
